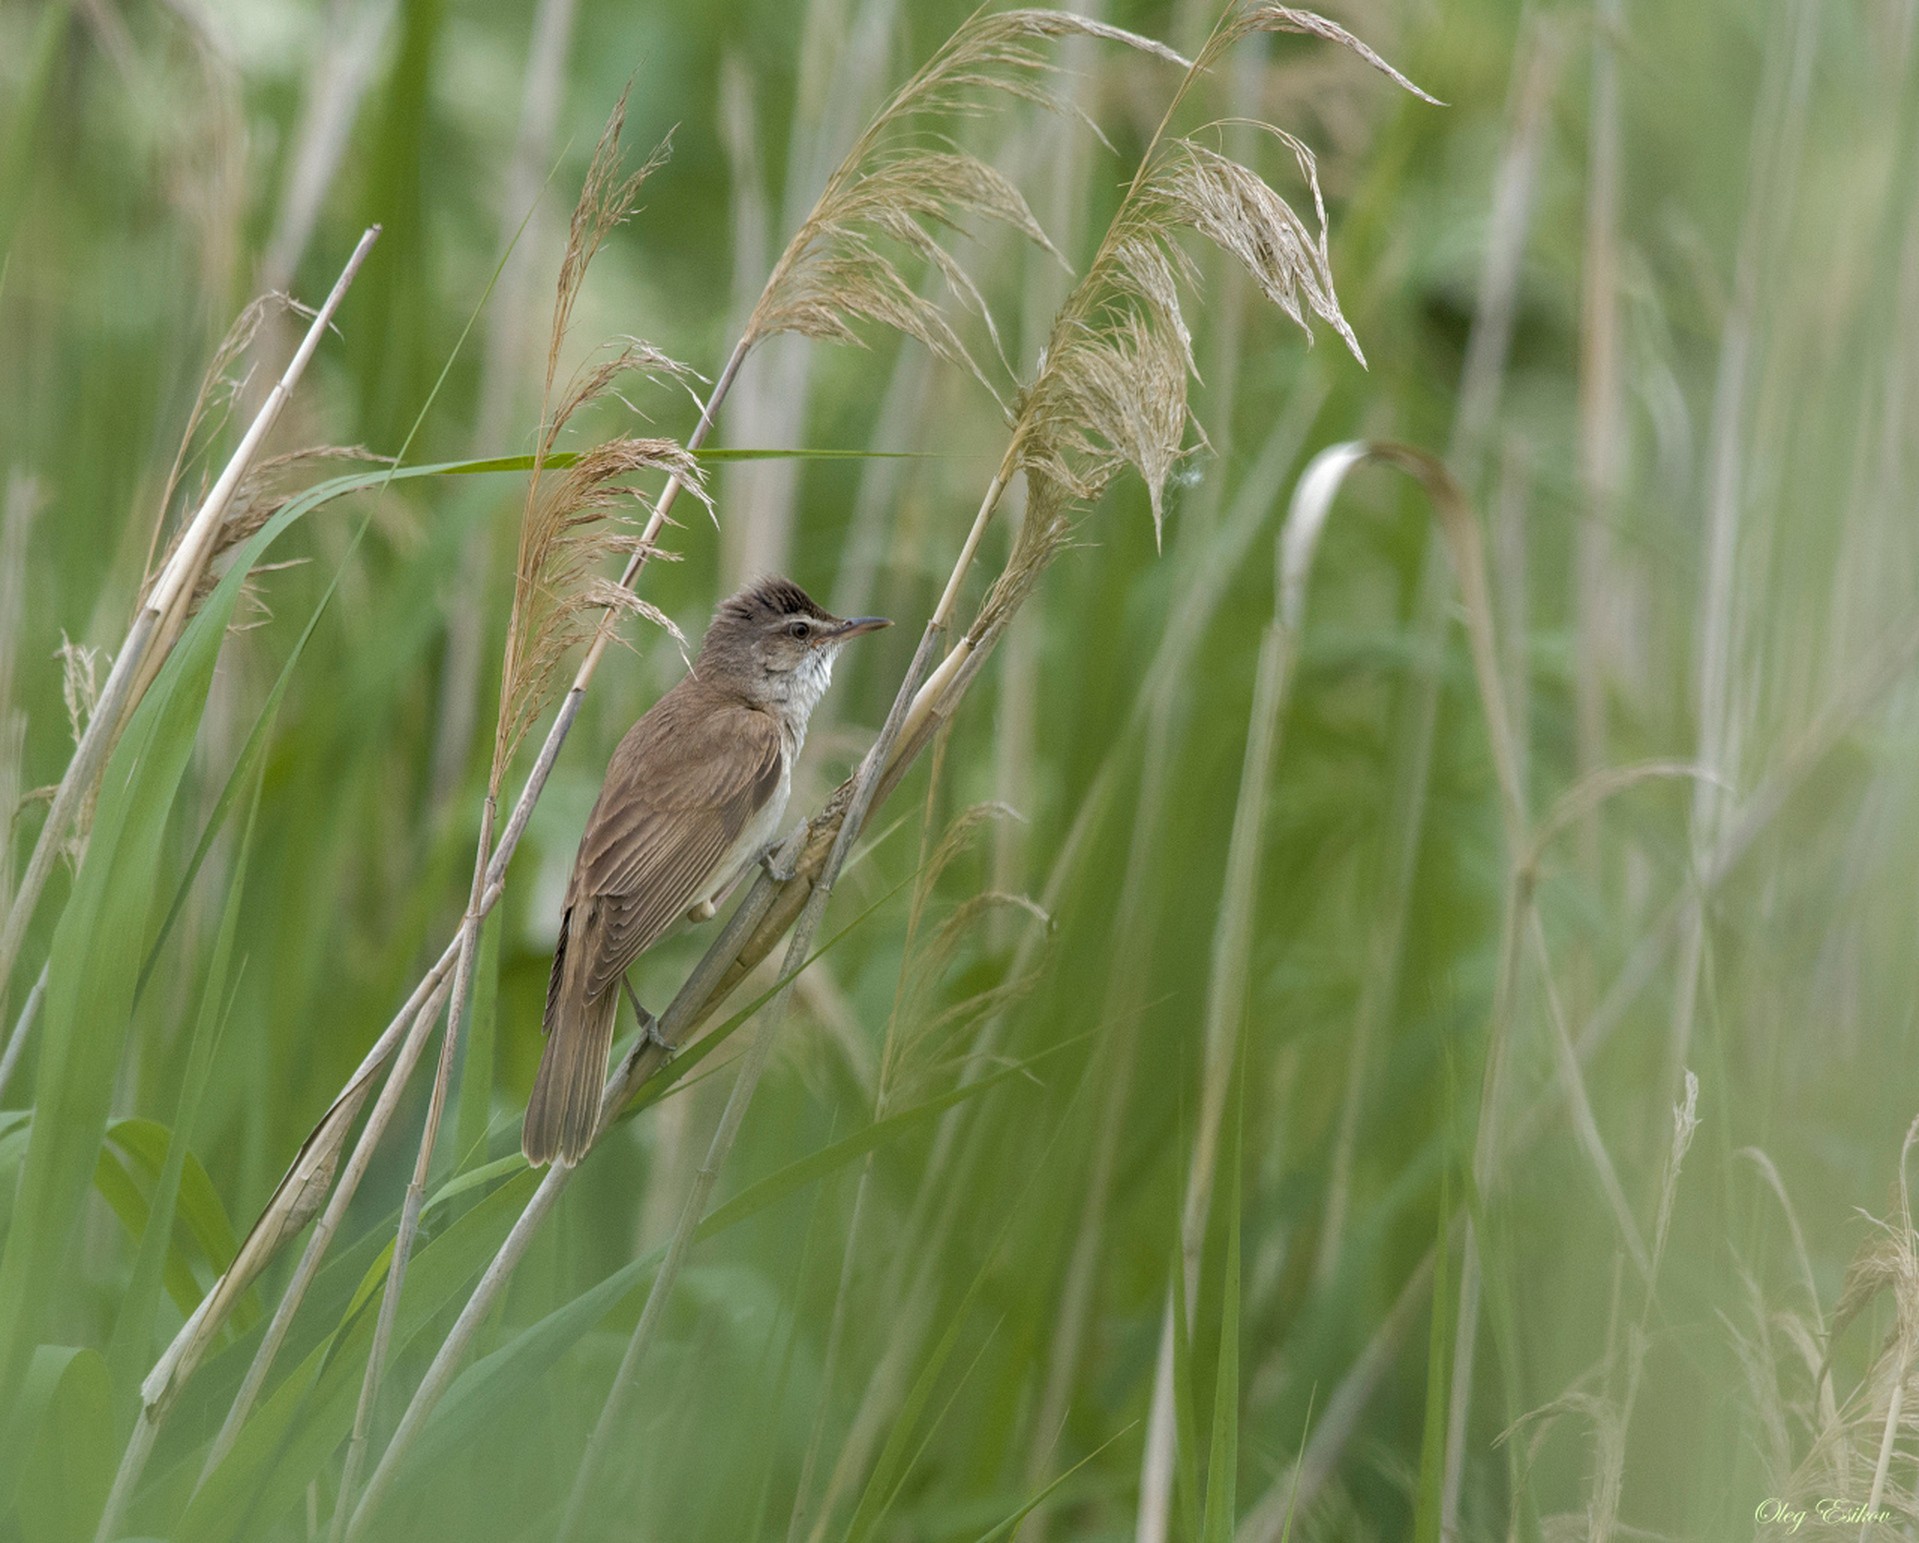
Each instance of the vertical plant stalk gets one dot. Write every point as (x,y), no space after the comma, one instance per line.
(1601,415)
(1295,552)
(19,505)
(415,1200)
(1778,132)
(1225,1013)
(159,619)
(1488,347)
(1460,532)
(337,84)
(771,406)
(1608,1483)
(22,1027)
(505,352)
(1121,1008)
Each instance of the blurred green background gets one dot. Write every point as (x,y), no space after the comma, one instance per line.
(1649,282)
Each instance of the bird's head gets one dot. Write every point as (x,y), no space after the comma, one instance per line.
(774,643)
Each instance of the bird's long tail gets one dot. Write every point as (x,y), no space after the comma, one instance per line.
(565,1107)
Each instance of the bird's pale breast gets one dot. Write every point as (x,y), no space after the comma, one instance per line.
(760,828)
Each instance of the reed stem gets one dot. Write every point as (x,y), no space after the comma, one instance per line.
(160,616)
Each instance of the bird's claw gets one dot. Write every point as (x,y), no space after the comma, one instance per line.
(650,1031)
(770,865)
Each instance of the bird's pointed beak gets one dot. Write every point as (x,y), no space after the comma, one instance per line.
(853,626)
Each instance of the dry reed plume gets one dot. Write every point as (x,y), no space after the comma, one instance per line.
(565,532)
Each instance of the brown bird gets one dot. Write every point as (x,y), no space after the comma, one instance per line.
(693,797)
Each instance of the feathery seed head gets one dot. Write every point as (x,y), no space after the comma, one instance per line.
(570,525)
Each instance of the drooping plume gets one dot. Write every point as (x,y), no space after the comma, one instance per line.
(570,525)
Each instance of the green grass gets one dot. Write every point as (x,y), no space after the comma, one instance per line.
(1201,1036)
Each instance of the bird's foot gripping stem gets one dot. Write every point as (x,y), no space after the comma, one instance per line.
(650,1032)
(770,859)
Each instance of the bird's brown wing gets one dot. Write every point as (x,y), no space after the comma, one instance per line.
(682,786)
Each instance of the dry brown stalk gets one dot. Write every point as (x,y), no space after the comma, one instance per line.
(157,623)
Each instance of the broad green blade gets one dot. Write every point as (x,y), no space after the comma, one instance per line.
(94,968)
(68,1466)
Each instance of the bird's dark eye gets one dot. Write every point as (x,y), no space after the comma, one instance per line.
(800,630)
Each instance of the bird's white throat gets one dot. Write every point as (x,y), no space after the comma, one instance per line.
(797,692)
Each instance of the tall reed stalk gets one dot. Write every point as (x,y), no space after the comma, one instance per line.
(157,623)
